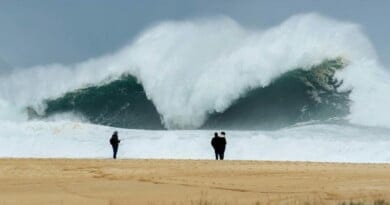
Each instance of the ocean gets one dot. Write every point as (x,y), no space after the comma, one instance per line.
(309,89)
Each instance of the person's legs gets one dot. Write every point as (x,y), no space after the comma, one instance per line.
(115,150)
(216,154)
(221,156)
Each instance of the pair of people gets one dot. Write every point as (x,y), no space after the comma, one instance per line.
(219,145)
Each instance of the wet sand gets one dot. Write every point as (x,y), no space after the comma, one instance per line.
(87,181)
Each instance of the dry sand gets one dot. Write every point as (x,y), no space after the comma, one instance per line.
(73,181)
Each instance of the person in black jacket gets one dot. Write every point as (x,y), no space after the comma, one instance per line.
(114,141)
(214,144)
(219,145)
(222,145)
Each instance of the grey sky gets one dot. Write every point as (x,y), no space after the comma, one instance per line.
(50,31)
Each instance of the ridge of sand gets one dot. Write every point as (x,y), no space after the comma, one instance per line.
(90,181)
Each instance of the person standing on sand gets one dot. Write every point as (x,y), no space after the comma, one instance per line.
(114,141)
(214,144)
(222,145)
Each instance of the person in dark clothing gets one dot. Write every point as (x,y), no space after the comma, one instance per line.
(214,144)
(114,141)
(222,145)
(219,144)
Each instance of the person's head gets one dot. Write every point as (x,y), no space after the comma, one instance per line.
(215,134)
(223,133)
(115,133)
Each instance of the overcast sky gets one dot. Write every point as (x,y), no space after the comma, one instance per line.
(68,31)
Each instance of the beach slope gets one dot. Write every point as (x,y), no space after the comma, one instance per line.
(87,181)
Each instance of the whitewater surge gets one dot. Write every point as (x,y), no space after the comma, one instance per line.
(333,143)
(191,69)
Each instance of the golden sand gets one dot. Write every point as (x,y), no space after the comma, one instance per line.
(86,181)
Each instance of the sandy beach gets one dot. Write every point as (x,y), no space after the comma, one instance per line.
(86,181)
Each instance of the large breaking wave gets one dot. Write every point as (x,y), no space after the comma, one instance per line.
(214,73)
(295,96)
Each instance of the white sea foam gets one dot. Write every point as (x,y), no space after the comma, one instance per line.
(192,68)
(303,143)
